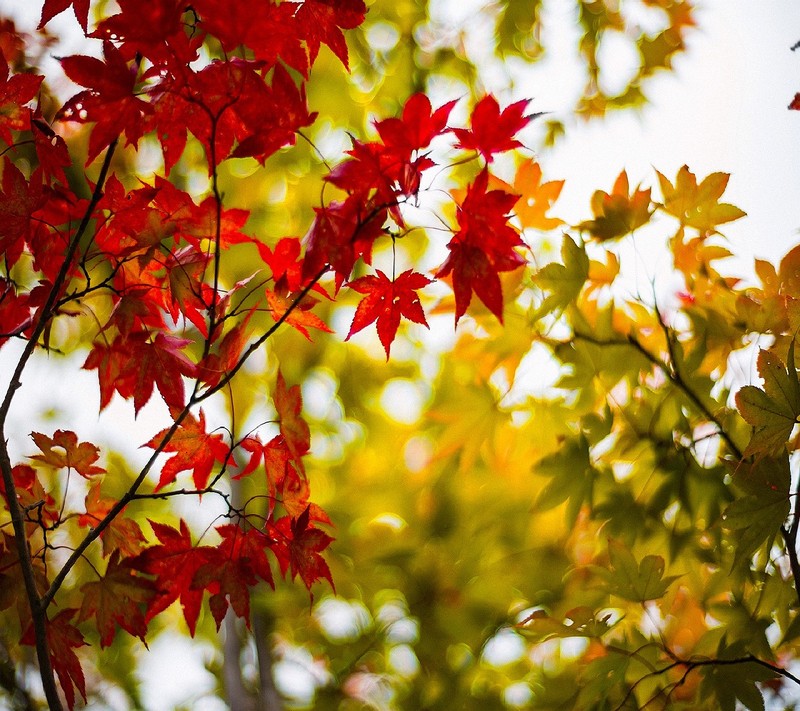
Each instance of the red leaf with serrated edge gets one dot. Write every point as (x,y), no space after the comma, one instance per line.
(418,126)
(51,150)
(122,534)
(195,450)
(62,638)
(484,246)
(322,21)
(108,101)
(232,568)
(341,233)
(19,199)
(271,30)
(294,429)
(132,366)
(491,130)
(173,563)
(216,365)
(52,8)
(386,301)
(15,92)
(69,453)
(301,317)
(118,598)
(299,547)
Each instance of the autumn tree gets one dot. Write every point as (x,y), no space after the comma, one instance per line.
(137,273)
(185,222)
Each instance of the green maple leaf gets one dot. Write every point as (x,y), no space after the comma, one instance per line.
(756,517)
(773,410)
(634,581)
(566,280)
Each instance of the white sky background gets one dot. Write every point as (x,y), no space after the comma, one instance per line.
(723,109)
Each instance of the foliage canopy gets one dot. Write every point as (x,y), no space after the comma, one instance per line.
(576,501)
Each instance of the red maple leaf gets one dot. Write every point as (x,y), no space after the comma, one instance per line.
(491,130)
(386,301)
(194,449)
(173,563)
(15,311)
(63,450)
(795,105)
(418,126)
(62,638)
(270,29)
(298,549)
(15,92)
(153,29)
(322,21)
(118,598)
(132,366)
(122,534)
(108,100)
(294,429)
(18,201)
(216,365)
(51,150)
(52,8)
(483,247)
(232,568)
(341,233)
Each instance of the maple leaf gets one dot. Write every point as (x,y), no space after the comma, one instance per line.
(122,534)
(271,30)
(15,92)
(774,410)
(340,234)
(301,317)
(535,197)
(18,201)
(618,214)
(565,280)
(418,126)
(62,638)
(15,311)
(51,150)
(483,247)
(52,8)
(795,104)
(491,130)
(132,366)
(108,101)
(386,301)
(757,515)
(299,547)
(154,29)
(232,568)
(286,265)
(632,580)
(118,598)
(80,457)
(39,504)
(216,365)
(294,429)
(174,564)
(696,205)
(194,449)
(322,21)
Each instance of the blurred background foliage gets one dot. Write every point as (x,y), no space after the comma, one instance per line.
(466,477)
